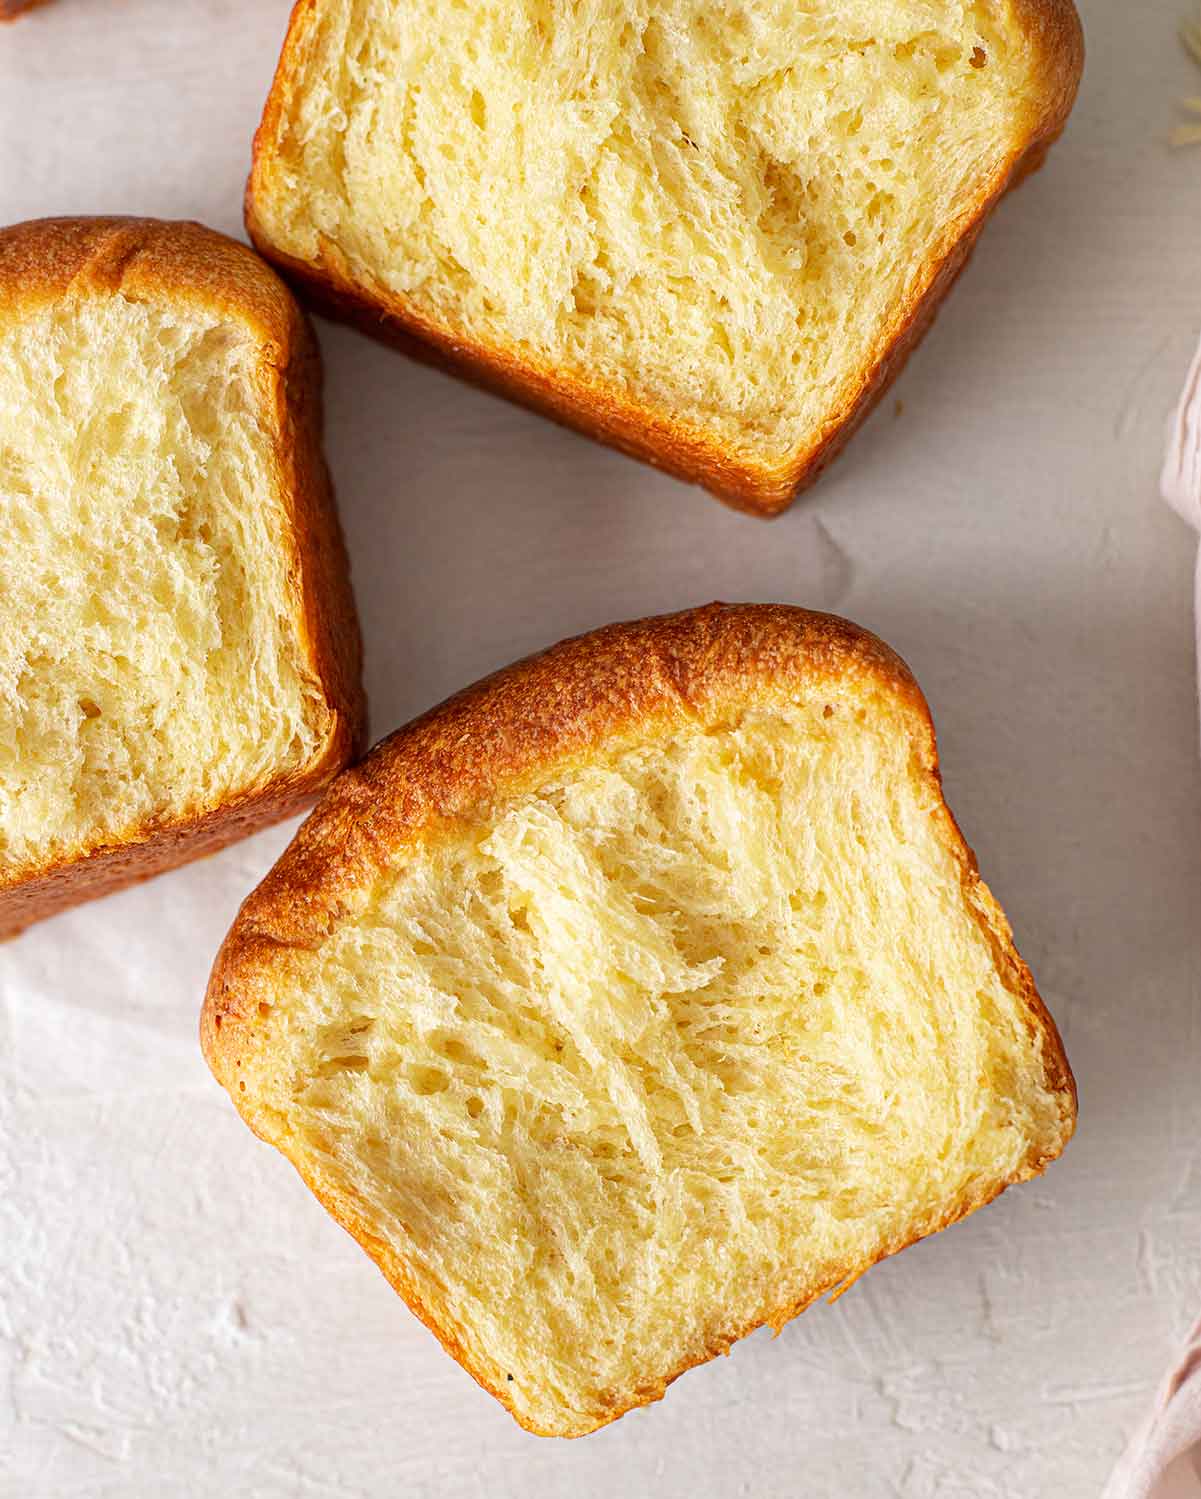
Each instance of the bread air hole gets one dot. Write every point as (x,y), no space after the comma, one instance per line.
(428,1080)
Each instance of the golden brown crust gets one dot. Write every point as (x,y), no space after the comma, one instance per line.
(173,262)
(619,685)
(152,850)
(600,411)
(11,9)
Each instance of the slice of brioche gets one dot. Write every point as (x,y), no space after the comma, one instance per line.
(179,655)
(706,234)
(636,997)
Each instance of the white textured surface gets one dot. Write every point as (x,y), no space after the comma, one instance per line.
(178,1318)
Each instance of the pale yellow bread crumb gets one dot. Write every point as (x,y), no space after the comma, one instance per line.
(178,650)
(708,234)
(636,997)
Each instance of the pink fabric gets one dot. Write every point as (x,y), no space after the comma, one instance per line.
(1163,1460)
(1181,480)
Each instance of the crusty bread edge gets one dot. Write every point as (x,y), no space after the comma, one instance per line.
(148,259)
(617,685)
(599,410)
(11,9)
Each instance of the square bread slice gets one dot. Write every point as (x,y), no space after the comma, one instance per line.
(179,655)
(635,998)
(707,234)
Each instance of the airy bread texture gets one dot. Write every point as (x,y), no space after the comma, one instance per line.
(637,997)
(706,233)
(165,522)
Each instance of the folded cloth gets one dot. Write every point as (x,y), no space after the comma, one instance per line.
(1163,1460)
(1181,480)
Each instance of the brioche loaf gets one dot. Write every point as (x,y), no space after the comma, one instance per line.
(636,997)
(706,234)
(179,657)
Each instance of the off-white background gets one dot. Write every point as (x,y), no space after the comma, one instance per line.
(179,1318)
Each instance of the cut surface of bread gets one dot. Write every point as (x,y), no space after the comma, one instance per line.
(177,639)
(637,997)
(708,234)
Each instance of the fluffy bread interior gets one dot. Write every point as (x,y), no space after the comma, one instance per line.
(659,1049)
(718,211)
(149,661)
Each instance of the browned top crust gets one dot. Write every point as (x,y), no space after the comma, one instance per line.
(170,263)
(623,684)
(1056,40)
(156,260)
